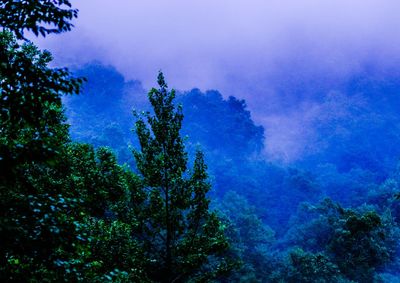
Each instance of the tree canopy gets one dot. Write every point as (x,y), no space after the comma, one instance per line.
(42,17)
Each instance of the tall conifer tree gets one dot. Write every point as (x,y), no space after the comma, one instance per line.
(184,240)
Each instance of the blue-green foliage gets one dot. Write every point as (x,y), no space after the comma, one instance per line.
(275,234)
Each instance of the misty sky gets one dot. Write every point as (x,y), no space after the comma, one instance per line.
(248,48)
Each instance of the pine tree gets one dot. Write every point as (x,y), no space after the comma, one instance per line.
(183,239)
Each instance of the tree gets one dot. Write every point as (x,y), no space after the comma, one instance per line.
(354,243)
(308,267)
(251,240)
(32,124)
(40,226)
(183,239)
(39,16)
(361,244)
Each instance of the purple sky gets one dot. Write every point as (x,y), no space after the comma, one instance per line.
(246,48)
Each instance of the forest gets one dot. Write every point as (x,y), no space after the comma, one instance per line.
(103,180)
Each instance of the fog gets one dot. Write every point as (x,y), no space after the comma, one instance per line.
(281,56)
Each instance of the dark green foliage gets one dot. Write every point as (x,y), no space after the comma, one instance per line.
(43,240)
(51,191)
(108,194)
(32,122)
(359,245)
(356,243)
(62,237)
(39,16)
(182,238)
(38,221)
(307,267)
(97,178)
(115,253)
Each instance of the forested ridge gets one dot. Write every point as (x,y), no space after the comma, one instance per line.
(102,180)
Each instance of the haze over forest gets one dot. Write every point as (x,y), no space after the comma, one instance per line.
(283,57)
(200,141)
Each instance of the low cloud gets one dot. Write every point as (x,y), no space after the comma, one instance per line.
(275,54)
